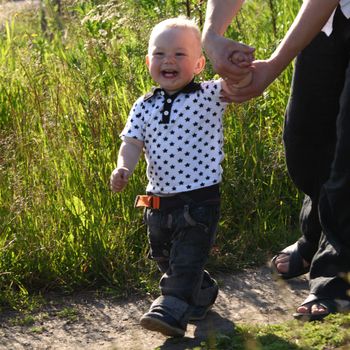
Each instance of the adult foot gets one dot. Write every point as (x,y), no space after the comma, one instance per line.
(283,260)
(289,263)
(314,309)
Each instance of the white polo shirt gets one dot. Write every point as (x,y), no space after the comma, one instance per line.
(345,7)
(182,135)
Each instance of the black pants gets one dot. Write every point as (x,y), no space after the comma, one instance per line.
(317,145)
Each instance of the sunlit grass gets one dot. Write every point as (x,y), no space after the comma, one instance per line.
(332,333)
(64,98)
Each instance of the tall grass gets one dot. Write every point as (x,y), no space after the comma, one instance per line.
(64,97)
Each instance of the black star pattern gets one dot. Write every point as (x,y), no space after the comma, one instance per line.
(184,150)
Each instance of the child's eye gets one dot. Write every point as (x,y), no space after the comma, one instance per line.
(158,54)
(180,54)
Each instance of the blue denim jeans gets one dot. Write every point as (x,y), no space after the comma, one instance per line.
(180,242)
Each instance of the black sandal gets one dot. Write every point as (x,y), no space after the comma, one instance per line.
(296,265)
(331,306)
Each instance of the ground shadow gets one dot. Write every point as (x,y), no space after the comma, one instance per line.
(217,339)
(205,330)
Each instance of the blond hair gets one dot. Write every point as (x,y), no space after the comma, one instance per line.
(176,22)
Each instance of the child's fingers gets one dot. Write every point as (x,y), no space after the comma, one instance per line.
(243,64)
(241,59)
(238,57)
(119,179)
(123,173)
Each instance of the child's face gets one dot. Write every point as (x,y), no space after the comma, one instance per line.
(174,58)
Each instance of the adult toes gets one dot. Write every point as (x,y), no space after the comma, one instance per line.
(303,309)
(318,309)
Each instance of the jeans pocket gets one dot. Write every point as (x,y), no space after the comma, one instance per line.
(156,218)
(206,215)
(152,217)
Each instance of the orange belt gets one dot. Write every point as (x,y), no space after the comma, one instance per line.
(147,201)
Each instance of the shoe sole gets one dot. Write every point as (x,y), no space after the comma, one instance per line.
(156,325)
(307,317)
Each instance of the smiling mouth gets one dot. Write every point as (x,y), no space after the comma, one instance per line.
(169,74)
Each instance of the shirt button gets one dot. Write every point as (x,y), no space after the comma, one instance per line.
(166,112)
(169,100)
(162,93)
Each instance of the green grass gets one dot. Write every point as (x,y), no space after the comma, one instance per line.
(332,333)
(64,97)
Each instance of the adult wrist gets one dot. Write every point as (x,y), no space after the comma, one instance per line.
(208,38)
(277,66)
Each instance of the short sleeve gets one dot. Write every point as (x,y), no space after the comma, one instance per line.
(213,89)
(134,126)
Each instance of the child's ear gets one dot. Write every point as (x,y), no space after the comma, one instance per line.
(147,61)
(200,65)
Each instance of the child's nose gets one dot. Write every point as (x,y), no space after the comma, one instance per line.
(169,58)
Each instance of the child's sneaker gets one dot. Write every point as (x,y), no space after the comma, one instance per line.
(199,312)
(159,321)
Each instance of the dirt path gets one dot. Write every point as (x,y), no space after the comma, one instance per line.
(90,322)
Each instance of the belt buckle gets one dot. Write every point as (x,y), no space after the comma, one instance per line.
(155,202)
(136,201)
(147,201)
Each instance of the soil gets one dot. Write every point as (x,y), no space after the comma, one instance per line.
(91,321)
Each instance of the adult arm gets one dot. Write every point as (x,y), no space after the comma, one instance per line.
(219,14)
(312,16)
(129,154)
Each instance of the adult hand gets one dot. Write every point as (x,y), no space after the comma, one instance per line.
(264,74)
(119,179)
(220,51)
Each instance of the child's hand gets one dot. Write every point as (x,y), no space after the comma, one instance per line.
(119,179)
(242,60)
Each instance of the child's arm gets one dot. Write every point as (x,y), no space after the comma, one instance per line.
(129,154)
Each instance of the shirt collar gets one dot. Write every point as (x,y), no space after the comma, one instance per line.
(190,87)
